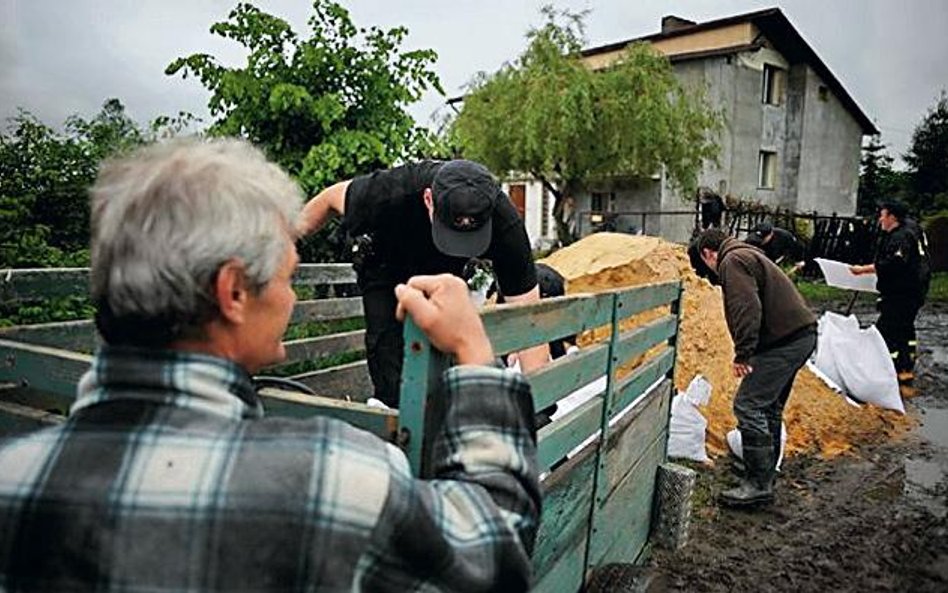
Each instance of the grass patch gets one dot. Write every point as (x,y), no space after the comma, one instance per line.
(939,289)
(817,290)
(314,329)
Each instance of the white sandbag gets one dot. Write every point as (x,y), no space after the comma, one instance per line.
(867,369)
(858,361)
(686,432)
(829,329)
(831,384)
(734,443)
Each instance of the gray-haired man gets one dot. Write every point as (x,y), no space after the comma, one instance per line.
(168,477)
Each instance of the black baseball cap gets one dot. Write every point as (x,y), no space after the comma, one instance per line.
(464,195)
(763,229)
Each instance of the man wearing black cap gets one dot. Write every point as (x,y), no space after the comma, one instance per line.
(779,245)
(429,217)
(903,276)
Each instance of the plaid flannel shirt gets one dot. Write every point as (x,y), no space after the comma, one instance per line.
(167,477)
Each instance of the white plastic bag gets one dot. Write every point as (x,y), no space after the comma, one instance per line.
(686,433)
(858,361)
(734,443)
(830,327)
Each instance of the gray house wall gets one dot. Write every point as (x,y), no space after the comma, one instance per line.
(830,151)
(816,140)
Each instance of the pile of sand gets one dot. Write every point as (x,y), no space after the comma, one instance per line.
(818,420)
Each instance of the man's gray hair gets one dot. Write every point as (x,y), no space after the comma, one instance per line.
(164,221)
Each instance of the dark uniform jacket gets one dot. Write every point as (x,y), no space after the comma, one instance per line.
(762,306)
(899,264)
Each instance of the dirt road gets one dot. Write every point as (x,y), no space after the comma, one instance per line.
(873,521)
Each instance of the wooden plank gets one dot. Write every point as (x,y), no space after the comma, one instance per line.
(327,309)
(564,376)
(631,387)
(17,419)
(381,422)
(421,410)
(45,401)
(513,327)
(42,368)
(322,346)
(560,437)
(639,340)
(567,573)
(43,283)
(561,540)
(624,521)
(634,432)
(642,298)
(322,274)
(80,336)
(346,381)
(49,282)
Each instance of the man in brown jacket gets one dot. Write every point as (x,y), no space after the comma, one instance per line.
(774,333)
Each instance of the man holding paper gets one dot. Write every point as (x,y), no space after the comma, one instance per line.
(902,284)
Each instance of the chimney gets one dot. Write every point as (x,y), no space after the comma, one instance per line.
(674,23)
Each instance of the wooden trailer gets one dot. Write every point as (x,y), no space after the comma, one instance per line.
(603,461)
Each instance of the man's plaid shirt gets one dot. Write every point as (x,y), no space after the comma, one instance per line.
(167,477)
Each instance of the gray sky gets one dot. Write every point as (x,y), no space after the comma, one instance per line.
(63,57)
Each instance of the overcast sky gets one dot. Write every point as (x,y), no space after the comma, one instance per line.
(61,57)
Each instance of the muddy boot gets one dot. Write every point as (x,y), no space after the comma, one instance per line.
(756,487)
(737,465)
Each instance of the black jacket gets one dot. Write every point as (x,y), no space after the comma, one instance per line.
(899,265)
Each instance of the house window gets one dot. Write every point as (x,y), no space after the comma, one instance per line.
(774,82)
(823,93)
(767,170)
(602,202)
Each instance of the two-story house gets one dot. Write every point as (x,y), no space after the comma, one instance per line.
(792,135)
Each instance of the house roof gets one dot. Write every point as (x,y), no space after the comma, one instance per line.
(773,25)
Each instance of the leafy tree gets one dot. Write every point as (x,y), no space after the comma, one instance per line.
(927,158)
(325,106)
(877,179)
(44,181)
(549,115)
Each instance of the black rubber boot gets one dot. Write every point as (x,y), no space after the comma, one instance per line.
(756,488)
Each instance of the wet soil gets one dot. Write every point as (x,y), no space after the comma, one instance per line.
(872,520)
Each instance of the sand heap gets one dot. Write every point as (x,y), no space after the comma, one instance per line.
(818,420)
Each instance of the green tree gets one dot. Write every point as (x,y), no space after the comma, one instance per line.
(44,180)
(550,115)
(325,106)
(927,158)
(877,179)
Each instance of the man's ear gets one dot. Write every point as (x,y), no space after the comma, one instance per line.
(230,288)
(429,200)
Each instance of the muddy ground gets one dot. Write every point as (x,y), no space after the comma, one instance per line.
(876,520)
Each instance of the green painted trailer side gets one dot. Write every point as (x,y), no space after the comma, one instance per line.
(600,459)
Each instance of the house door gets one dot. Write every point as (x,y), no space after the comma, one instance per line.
(518,195)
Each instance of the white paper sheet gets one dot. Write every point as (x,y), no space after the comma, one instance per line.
(837,274)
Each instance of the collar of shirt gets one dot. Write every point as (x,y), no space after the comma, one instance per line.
(183,379)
